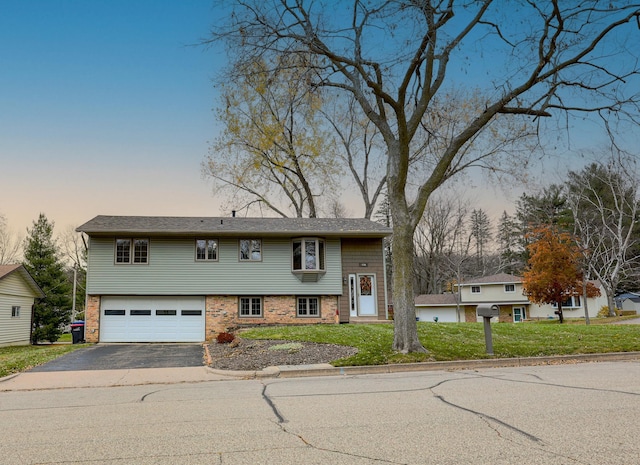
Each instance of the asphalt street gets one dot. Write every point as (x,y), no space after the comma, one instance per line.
(584,413)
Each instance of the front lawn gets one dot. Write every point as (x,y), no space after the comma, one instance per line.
(461,341)
(15,359)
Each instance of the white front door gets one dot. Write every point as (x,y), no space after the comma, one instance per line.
(367,295)
(519,314)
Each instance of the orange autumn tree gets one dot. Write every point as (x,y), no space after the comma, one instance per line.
(553,273)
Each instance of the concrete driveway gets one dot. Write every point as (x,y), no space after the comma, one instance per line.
(127,356)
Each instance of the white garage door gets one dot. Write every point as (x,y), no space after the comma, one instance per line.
(152,319)
(443,315)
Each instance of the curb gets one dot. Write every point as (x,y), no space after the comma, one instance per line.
(325,369)
(8,377)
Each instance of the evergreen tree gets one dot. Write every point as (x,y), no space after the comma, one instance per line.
(41,259)
(510,241)
(481,233)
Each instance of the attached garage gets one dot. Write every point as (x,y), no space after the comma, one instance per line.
(443,315)
(152,319)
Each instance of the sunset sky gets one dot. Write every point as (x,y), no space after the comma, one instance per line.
(106,108)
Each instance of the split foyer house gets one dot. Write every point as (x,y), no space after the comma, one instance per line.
(172,279)
(507,292)
(18,291)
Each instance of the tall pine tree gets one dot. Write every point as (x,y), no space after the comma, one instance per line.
(41,259)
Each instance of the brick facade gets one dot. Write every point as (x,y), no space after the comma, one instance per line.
(92,319)
(506,314)
(222,313)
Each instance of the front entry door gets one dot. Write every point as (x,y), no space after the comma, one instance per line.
(519,314)
(367,295)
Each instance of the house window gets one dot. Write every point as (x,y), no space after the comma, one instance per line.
(250,250)
(250,307)
(132,251)
(308,307)
(475,289)
(15,311)
(509,288)
(308,254)
(570,302)
(206,249)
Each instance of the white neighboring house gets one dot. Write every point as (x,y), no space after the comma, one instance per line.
(18,291)
(506,291)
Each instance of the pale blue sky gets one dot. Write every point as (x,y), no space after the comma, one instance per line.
(105,108)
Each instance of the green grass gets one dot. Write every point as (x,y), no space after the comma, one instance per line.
(15,359)
(462,341)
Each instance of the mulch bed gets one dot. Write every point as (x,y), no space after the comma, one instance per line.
(254,354)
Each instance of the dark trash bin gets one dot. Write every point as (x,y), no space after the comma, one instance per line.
(77,332)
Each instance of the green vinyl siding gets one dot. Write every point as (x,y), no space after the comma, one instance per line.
(173,270)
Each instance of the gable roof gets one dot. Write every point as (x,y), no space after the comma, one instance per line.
(500,278)
(6,270)
(232,226)
(424,300)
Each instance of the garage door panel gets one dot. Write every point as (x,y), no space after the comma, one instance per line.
(152,319)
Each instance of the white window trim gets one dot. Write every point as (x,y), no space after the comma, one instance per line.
(15,311)
(320,255)
(251,299)
(307,315)
(206,245)
(476,287)
(573,303)
(507,291)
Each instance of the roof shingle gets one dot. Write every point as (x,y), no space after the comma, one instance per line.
(171,225)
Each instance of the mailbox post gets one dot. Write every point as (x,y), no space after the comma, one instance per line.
(488,311)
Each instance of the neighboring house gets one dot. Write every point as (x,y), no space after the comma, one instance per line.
(171,279)
(439,307)
(506,291)
(628,302)
(18,291)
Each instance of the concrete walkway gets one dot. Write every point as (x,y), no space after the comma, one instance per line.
(31,381)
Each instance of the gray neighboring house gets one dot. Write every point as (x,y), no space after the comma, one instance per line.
(186,279)
(18,291)
(628,302)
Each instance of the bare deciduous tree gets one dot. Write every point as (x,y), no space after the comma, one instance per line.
(438,239)
(273,149)
(10,243)
(402,60)
(604,199)
(363,151)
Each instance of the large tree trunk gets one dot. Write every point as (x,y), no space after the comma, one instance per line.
(611,303)
(587,320)
(560,315)
(405,338)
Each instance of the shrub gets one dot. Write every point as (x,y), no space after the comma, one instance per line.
(604,311)
(225,338)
